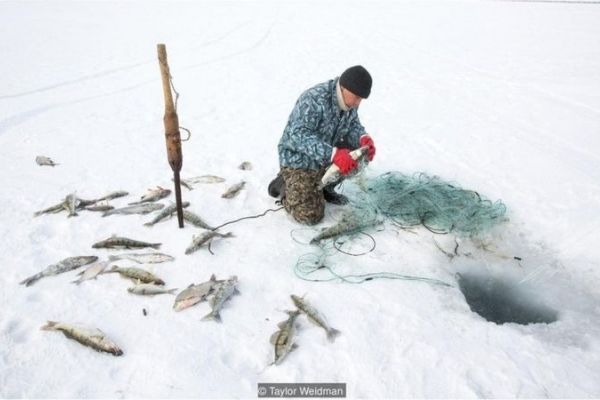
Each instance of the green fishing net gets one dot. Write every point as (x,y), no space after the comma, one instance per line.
(439,206)
(405,200)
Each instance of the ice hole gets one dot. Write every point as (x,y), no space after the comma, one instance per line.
(499,300)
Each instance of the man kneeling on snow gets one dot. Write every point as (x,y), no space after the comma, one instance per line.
(323,128)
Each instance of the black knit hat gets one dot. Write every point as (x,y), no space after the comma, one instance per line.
(357,80)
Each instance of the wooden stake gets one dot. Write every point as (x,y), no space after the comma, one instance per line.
(171,122)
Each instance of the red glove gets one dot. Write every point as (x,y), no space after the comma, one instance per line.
(343,160)
(365,140)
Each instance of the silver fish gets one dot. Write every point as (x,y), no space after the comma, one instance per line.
(146,289)
(166,212)
(112,195)
(52,209)
(352,221)
(137,275)
(99,207)
(283,339)
(143,258)
(68,264)
(91,272)
(205,238)
(245,166)
(83,203)
(71,203)
(224,291)
(153,195)
(204,179)
(315,317)
(43,160)
(233,190)
(333,172)
(195,220)
(144,208)
(194,294)
(115,242)
(93,338)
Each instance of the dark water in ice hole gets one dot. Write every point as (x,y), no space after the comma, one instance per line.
(502,301)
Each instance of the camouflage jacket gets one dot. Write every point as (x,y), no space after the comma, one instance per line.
(315,126)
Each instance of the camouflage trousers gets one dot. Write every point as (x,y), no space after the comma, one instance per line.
(303,198)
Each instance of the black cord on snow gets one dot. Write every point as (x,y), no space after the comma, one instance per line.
(250,217)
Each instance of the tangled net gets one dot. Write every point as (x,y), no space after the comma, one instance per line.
(407,201)
(429,201)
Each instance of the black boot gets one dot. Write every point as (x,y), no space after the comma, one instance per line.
(331,196)
(277,187)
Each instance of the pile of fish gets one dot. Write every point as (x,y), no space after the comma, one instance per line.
(283,339)
(217,292)
(71,203)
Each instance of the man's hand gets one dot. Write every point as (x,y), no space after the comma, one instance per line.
(366,140)
(343,160)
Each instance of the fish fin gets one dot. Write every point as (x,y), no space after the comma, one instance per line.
(294,347)
(77,282)
(236,291)
(273,338)
(212,315)
(172,291)
(150,224)
(113,258)
(155,245)
(281,324)
(213,278)
(50,326)
(332,334)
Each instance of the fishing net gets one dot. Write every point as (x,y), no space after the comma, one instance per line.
(426,200)
(405,200)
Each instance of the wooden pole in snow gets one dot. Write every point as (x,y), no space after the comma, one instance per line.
(171,122)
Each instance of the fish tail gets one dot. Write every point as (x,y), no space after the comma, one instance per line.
(31,280)
(332,334)
(150,224)
(77,282)
(50,326)
(115,268)
(212,315)
(155,245)
(171,291)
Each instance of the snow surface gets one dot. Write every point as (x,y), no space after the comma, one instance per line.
(499,97)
